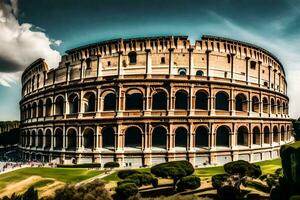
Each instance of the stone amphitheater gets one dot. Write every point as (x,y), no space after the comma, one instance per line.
(149,100)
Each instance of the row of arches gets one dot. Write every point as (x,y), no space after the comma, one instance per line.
(134,100)
(133,137)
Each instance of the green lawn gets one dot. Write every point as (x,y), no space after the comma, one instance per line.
(268,166)
(69,175)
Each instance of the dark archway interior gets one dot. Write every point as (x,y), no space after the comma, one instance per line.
(133,137)
(256,135)
(241,103)
(201,137)
(181,137)
(222,102)
(134,101)
(242,136)
(72,139)
(222,138)
(88,138)
(58,138)
(266,135)
(201,100)
(159,101)
(108,137)
(159,137)
(181,100)
(110,102)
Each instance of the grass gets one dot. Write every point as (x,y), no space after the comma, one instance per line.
(42,183)
(61,174)
(268,166)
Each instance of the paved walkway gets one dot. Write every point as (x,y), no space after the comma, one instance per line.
(100,176)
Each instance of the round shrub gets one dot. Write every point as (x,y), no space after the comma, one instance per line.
(219,179)
(125,173)
(111,165)
(154,182)
(141,178)
(126,190)
(189,182)
(227,193)
(135,181)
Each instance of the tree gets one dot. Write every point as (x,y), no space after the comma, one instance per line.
(174,170)
(237,172)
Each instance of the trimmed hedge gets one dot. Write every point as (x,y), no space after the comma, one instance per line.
(188,182)
(175,168)
(126,190)
(218,180)
(111,165)
(259,186)
(127,172)
(83,165)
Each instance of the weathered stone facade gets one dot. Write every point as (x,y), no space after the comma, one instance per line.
(144,101)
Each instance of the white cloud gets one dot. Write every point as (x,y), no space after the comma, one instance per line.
(21,44)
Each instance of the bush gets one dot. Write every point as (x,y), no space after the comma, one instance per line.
(111,165)
(126,190)
(125,173)
(227,193)
(83,165)
(242,168)
(257,185)
(188,182)
(126,180)
(219,179)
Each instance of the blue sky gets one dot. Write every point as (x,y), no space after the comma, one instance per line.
(52,27)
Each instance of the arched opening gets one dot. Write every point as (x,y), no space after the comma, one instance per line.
(40,138)
(132,57)
(133,137)
(159,101)
(72,139)
(222,101)
(134,100)
(33,135)
(273,106)
(199,73)
(181,135)
(58,139)
(256,135)
(181,100)
(278,107)
(48,139)
(29,111)
(255,104)
(275,134)
(34,110)
(73,104)
(288,136)
(48,107)
(241,103)
(222,137)
(282,135)
(40,108)
(265,105)
(182,71)
(266,135)
(88,139)
(159,137)
(89,102)
(28,139)
(110,102)
(242,136)
(108,137)
(202,100)
(59,105)
(201,137)
(283,108)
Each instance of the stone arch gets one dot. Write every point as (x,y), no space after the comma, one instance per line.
(133,137)
(201,139)
(273,108)
(71,139)
(282,135)
(48,107)
(110,102)
(40,108)
(275,134)
(201,100)
(58,134)
(40,138)
(108,137)
(89,102)
(34,107)
(255,104)
(222,101)
(59,105)
(242,136)
(288,133)
(181,100)
(266,135)
(222,136)
(241,102)
(265,105)
(48,138)
(256,135)
(181,137)
(28,111)
(199,73)
(159,137)
(73,103)
(160,100)
(134,100)
(28,139)
(278,106)
(88,138)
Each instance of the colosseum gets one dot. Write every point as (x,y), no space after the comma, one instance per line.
(144,101)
